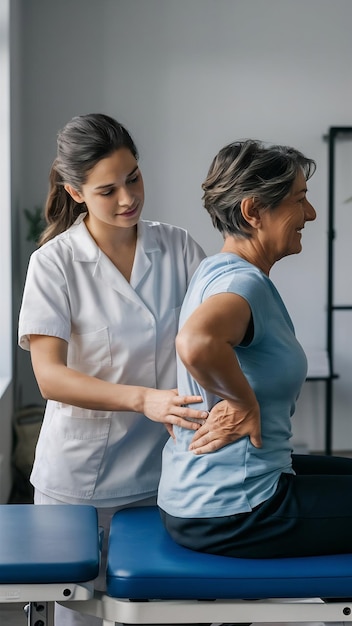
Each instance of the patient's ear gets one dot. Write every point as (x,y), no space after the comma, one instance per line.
(250,212)
(74,194)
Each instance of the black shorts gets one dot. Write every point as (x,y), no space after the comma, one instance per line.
(309,514)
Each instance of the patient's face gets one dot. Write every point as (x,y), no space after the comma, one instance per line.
(282,226)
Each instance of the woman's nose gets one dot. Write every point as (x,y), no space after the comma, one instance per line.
(310,212)
(124,197)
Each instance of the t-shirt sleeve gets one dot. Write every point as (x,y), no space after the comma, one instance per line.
(45,307)
(250,285)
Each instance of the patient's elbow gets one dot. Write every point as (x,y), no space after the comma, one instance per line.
(190,348)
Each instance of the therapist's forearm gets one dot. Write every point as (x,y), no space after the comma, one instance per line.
(63,384)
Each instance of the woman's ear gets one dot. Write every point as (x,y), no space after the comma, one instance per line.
(250,212)
(74,194)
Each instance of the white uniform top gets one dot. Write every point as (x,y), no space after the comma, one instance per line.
(117,331)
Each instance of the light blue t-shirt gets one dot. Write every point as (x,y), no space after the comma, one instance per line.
(238,477)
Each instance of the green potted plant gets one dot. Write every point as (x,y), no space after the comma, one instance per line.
(36,223)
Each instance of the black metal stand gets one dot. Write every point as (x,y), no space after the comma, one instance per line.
(335,132)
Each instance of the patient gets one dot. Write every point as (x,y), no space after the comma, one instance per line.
(237,343)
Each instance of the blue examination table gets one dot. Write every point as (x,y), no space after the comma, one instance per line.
(150,580)
(47,553)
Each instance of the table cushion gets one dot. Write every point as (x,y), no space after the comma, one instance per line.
(145,563)
(48,544)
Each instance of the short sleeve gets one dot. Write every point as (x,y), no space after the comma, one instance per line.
(250,284)
(45,307)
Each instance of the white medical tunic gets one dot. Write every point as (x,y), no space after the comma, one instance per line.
(117,331)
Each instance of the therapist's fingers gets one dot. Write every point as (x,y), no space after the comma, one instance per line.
(170,430)
(187,414)
(188,418)
(182,400)
(167,406)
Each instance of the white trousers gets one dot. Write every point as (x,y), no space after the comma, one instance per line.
(67,617)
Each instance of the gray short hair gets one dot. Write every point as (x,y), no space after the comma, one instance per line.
(250,168)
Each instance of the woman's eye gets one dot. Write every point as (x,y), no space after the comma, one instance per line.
(133,180)
(106,193)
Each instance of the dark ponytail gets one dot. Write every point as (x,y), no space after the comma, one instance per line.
(61,210)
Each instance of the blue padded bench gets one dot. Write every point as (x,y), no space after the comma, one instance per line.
(47,553)
(152,580)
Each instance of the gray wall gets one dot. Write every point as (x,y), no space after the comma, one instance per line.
(187,77)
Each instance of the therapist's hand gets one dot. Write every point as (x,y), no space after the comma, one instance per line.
(226,423)
(167,407)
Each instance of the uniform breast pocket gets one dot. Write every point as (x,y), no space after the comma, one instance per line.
(93,347)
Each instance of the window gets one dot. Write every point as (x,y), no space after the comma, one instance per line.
(5,202)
